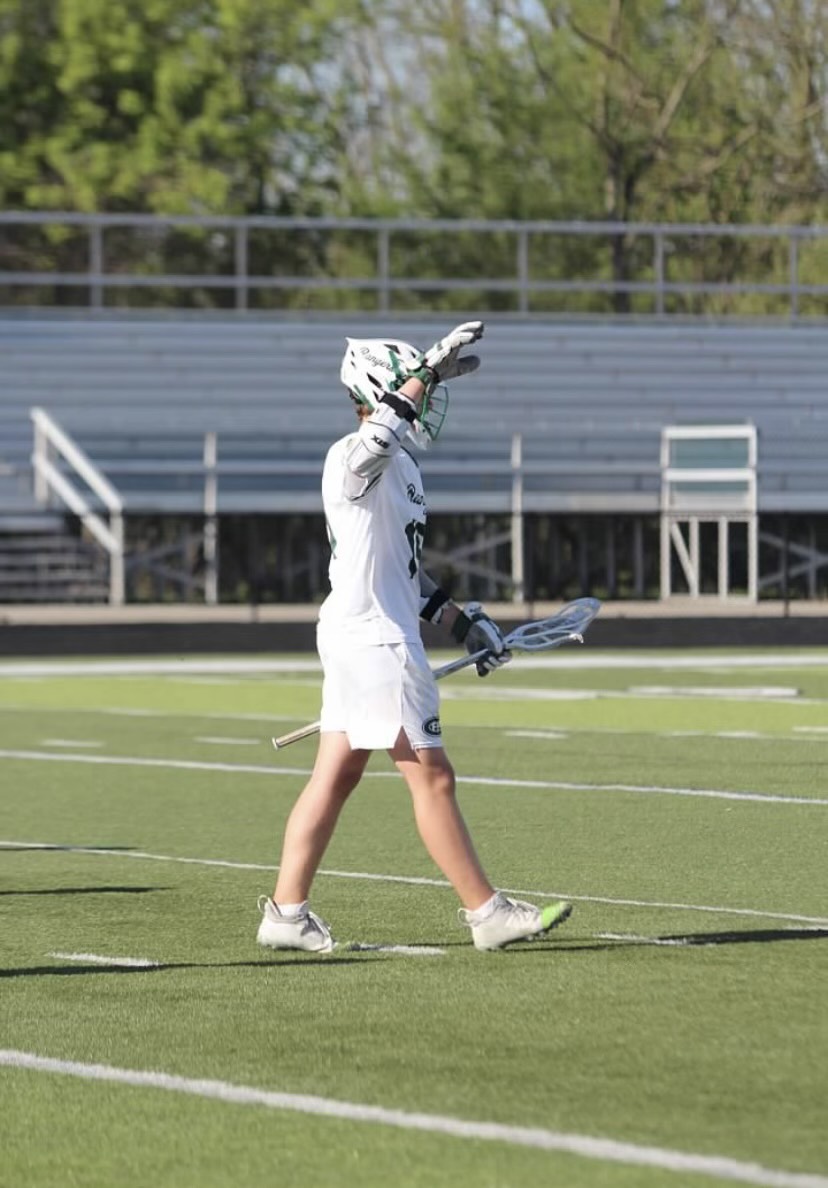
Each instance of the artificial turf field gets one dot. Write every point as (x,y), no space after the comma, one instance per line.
(673,1032)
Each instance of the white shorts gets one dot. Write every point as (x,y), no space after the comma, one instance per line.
(370,691)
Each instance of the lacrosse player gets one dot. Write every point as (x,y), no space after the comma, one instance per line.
(378,690)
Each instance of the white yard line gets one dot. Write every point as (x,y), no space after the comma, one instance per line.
(512,693)
(402,950)
(585,1146)
(220,741)
(485,781)
(144,963)
(677,941)
(70,742)
(138,712)
(205,680)
(562,735)
(412,880)
(154,667)
(97,959)
(801,734)
(721,663)
(728,692)
(547,735)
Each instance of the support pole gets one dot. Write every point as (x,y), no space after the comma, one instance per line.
(518,572)
(210,519)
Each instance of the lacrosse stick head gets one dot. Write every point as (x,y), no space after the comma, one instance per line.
(373,366)
(567,626)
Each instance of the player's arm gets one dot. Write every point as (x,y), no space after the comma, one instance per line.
(379,438)
(471,626)
(383,429)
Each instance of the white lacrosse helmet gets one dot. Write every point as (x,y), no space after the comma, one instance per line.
(373,366)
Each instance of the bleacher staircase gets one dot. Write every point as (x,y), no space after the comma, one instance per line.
(42,559)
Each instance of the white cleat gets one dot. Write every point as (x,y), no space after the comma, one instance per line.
(510,920)
(305,930)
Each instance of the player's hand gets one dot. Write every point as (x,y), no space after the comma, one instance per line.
(443,358)
(442,361)
(485,633)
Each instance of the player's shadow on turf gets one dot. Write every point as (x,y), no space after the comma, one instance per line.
(86,891)
(688,940)
(60,971)
(65,849)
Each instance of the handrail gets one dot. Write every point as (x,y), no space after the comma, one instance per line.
(50,441)
(651,277)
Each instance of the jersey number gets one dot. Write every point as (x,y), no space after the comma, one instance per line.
(415,532)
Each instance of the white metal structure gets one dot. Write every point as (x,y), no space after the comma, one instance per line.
(708,475)
(51,443)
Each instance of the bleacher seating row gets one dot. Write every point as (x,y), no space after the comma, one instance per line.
(138,393)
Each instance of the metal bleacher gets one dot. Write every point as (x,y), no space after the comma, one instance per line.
(555,444)
(589,399)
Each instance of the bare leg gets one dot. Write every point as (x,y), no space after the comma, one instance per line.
(336,773)
(430,779)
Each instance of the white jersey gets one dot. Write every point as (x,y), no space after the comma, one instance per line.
(376,542)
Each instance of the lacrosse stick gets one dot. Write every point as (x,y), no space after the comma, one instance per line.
(567,626)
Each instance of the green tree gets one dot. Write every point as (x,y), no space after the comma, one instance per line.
(622,110)
(184,106)
(202,107)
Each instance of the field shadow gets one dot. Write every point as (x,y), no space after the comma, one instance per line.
(87,891)
(681,940)
(65,849)
(81,970)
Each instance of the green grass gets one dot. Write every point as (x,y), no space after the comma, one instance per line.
(712,1046)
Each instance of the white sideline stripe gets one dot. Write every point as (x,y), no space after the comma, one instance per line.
(670,661)
(97,959)
(817,733)
(678,942)
(219,740)
(486,781)
(583,1145)
(414,881)
(125,712)
(674,941)
(70,742)
(205,680)
(524,693)
(729,692)
(512,693)
(754,735)
(153,667)
(737,734)
(549,735)
(405,950)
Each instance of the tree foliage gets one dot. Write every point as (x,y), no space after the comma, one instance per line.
(699,111)
(173,106)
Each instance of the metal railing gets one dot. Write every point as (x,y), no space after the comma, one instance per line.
(526,274)
(51,443)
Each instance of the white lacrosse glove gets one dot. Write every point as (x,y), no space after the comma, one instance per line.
(442,361)
(477,631)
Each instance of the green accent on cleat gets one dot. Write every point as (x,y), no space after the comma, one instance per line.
(554,914)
